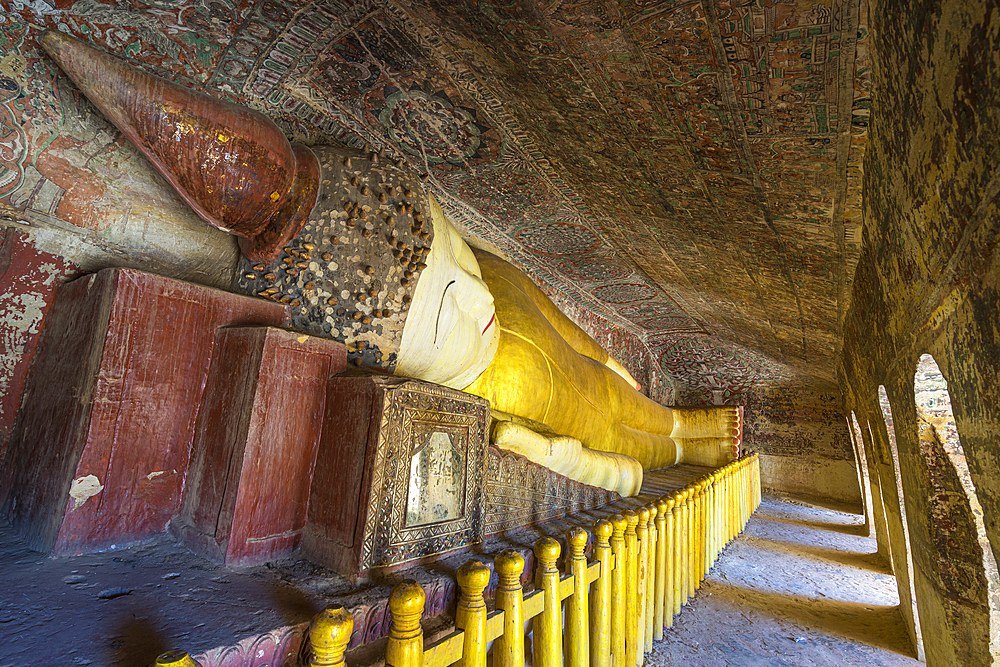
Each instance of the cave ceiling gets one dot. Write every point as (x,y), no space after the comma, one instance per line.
(686,170)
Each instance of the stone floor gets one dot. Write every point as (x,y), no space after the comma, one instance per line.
(800,587)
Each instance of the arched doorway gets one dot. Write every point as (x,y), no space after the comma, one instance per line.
(967,567)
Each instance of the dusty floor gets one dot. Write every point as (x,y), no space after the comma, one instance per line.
(123,608)
(800,587)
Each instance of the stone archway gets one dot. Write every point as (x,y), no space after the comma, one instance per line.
(967,568)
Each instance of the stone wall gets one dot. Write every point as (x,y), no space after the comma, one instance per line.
(929,280)
(803,441)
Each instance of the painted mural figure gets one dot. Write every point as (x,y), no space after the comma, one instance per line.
(359,253)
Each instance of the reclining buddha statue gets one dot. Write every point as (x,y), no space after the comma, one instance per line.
(359,252)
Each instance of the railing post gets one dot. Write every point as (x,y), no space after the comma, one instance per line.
(662,540)
(716,518)
(755,481)
(547,626)
(600,601)
(176,658)
(651,561)
(508,649)
(723,508)
(470,615)
(739,495)
(713,518)
(670,570)
(406,637)
(680,551)
(734,493)
(726,505)
(631,590)
(619,614)
(729,502)
(329,635)
(702,532)
(749,483)
(750,493)
(577,646)
(641,567)
(691,560)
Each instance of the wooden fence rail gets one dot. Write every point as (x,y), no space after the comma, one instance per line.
(645,566)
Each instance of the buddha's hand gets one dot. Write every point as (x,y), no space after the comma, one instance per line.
(568,457)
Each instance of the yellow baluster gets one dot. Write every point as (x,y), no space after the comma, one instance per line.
(692,538)
(709,522)
(406,637)
(329,635)
(577,646)
(642,539)
(470,615)
(670,504)
(662,571)
(702,533)
(547,626)
(723,510)
(739,497)
(631,589)
(754,482)
(736,498)
(176,658)
(749,482)
(654,538)
(713,520)
(680,550)
(508,649)
(749,490)
(600,599)
(749,494)
(619,614)
(729,502)
(642,570)
(726,486)
(706,543)
(719,514)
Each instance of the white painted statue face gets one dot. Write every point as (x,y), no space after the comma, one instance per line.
(450,332)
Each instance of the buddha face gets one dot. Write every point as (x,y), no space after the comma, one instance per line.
(450,332)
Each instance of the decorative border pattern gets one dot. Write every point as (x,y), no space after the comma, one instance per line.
(521,493)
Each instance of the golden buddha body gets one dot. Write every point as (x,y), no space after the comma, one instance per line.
(434,309)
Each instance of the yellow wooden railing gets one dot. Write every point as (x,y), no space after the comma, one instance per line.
(612,613)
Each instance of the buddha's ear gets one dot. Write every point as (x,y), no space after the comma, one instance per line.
(231,164)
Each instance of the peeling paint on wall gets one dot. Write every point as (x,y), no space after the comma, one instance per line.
(84,488)
(28,283)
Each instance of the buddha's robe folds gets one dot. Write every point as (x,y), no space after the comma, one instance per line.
(548,370)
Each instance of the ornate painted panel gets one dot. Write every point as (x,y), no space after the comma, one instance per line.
(448,511)
(399,473)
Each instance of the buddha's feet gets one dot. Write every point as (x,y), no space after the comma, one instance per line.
(708,436)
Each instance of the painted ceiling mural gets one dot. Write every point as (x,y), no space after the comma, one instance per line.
(684,172)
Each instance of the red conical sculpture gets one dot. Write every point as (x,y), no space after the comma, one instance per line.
(231,164)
